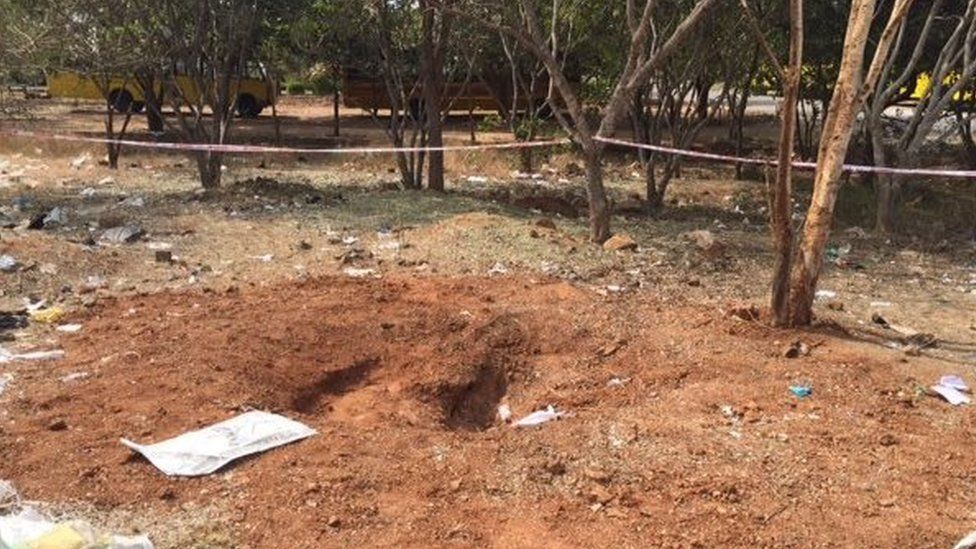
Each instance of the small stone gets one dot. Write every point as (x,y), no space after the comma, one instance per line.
(706,242)
(334,522)
(888,440)
(58,425)
(835,305)
(620,242)
(164,256)
(455,485)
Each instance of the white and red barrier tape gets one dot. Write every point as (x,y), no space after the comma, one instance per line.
(961,174)
(225,148)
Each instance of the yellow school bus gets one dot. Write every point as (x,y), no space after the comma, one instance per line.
(125,94)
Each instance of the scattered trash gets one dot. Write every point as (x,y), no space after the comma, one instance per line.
(9,497)
(266,258)
(880,321)
(47,316)
(57,216)
(953,389)
(823,295)
(8,264)
(204,451)
(77,376)
(540,417)
(80,161)
(122,235)
(836,253)
(349,240)
(353,272)
(498,269)
(618,382)
(12,321)
(881,304)
(7,356)
(797,349)
(504,413)
(5,380)
(28,529)
(87,192)
(968,542)
(801,391)
(477,179)
(133,202)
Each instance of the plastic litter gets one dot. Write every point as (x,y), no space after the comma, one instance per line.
(825,294)
(47,316)
(75,377)
(5,380)
(801,391)
(56,216)
(204,451)
(69,328)
(498,269)
(7,356)
(8,264)
(540,417)
(122,235)
(353,272)
(29,529)
(953,389)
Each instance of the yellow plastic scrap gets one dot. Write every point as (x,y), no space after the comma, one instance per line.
(47,316)
(61,536)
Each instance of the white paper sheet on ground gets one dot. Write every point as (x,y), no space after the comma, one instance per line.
(952,395)
(203,452)
(540,417)
(955,382)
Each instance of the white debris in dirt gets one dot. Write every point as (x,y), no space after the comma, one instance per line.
(9,496)
(56,216)
(206,450)
(29,528)
(7,356)
(618,382)
(953,389)
(94,282)
(266,258)
(106,181)
(498,269)
(504,413)
(477,179)
(968,542)
(540,417)
(881,304)
(349,240)
(5,380)
(825,294)
(159,246)
(353,272)
(133,202)
(8,264)
(77,376)
(81,160)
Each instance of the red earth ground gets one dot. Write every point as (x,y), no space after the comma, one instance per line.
(700,444)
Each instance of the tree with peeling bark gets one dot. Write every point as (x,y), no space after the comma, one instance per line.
(952,72)
(781,188)
(645,52)
(209,45)
(853,87)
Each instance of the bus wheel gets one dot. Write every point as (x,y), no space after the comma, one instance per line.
(120,100)
(247,106)
(138,106)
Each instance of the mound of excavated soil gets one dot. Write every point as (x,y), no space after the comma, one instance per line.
(696,442)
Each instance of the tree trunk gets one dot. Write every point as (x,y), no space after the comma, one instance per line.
(888,190)
(835,137)
(781,191)
(596,195)
(432,67)
(208,165)
(335,113)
